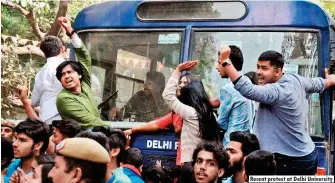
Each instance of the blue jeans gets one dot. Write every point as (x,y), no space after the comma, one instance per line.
(305,165)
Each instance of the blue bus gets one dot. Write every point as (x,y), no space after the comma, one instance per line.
(129,39)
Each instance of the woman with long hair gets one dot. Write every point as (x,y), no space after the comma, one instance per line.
(194,106)
(171,118)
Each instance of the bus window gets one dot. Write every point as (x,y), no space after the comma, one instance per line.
(137,65)
(300,51)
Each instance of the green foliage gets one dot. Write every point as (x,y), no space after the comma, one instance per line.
(330,7)
(13,23)
(15,68)
(13,73)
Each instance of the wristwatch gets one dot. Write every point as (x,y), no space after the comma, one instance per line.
(226,62)
(71,33)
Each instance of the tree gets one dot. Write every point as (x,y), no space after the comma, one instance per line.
(23,24)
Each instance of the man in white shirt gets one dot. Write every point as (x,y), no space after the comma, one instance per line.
(47,86)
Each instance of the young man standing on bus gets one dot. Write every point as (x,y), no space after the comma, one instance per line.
(236,113)
(282,114)
(76,100)
(46,87)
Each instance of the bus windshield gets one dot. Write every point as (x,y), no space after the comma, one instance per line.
(137,65)
(300,51)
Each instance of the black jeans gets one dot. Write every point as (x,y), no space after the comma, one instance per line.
(305,165)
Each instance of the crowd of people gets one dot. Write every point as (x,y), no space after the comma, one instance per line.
(68,142)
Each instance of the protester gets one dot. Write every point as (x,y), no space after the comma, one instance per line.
(186,174)
(240,146)
(63,129)
(236,113)
(156,175)
(147,104)
(46,87)
(32,139)
(259,163)
(79,160)
(7,129)
(40,169)
(7,154)
(131,169)
(282,114)
(194,107)
(210,161)
(76,100)
(117,143)
(171,118)
(102,139)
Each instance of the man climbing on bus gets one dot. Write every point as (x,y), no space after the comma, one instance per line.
(282,114)
(236,113)
(76,100)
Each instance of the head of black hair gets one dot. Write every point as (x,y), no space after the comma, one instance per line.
(51,46)
(276,59)
(219,153)
(47,161)
(194,95)
(97,136)
(248,141)
(156,175)
(116,139)
(236,57)
(260,163)
(133,156)
(156,77)
(7,153)
(76,66)
(37,130)
(186,174)
(67,127)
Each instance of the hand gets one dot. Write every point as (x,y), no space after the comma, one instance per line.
(215,102)
(128,132)
(160,66)
(158,164)
(128,141)
(14,178)
(329,76)
(23,178)
(23,93)
(224,53)
(186,66)
(65,25)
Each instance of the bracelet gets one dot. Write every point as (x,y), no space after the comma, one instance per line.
(71,33)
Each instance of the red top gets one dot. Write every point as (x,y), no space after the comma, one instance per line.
(167,120)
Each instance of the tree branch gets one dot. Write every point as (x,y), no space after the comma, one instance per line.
(26,50)
(33,23)
(30,15)
(62,10)
(15,7)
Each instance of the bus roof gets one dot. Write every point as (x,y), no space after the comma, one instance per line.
(122,14)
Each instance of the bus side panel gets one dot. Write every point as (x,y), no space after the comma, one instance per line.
(157,146)
(322,155)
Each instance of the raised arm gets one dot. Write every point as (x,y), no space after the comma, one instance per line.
(23,90)
(79,48)
(169,93)
(267,94)
(158,124)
